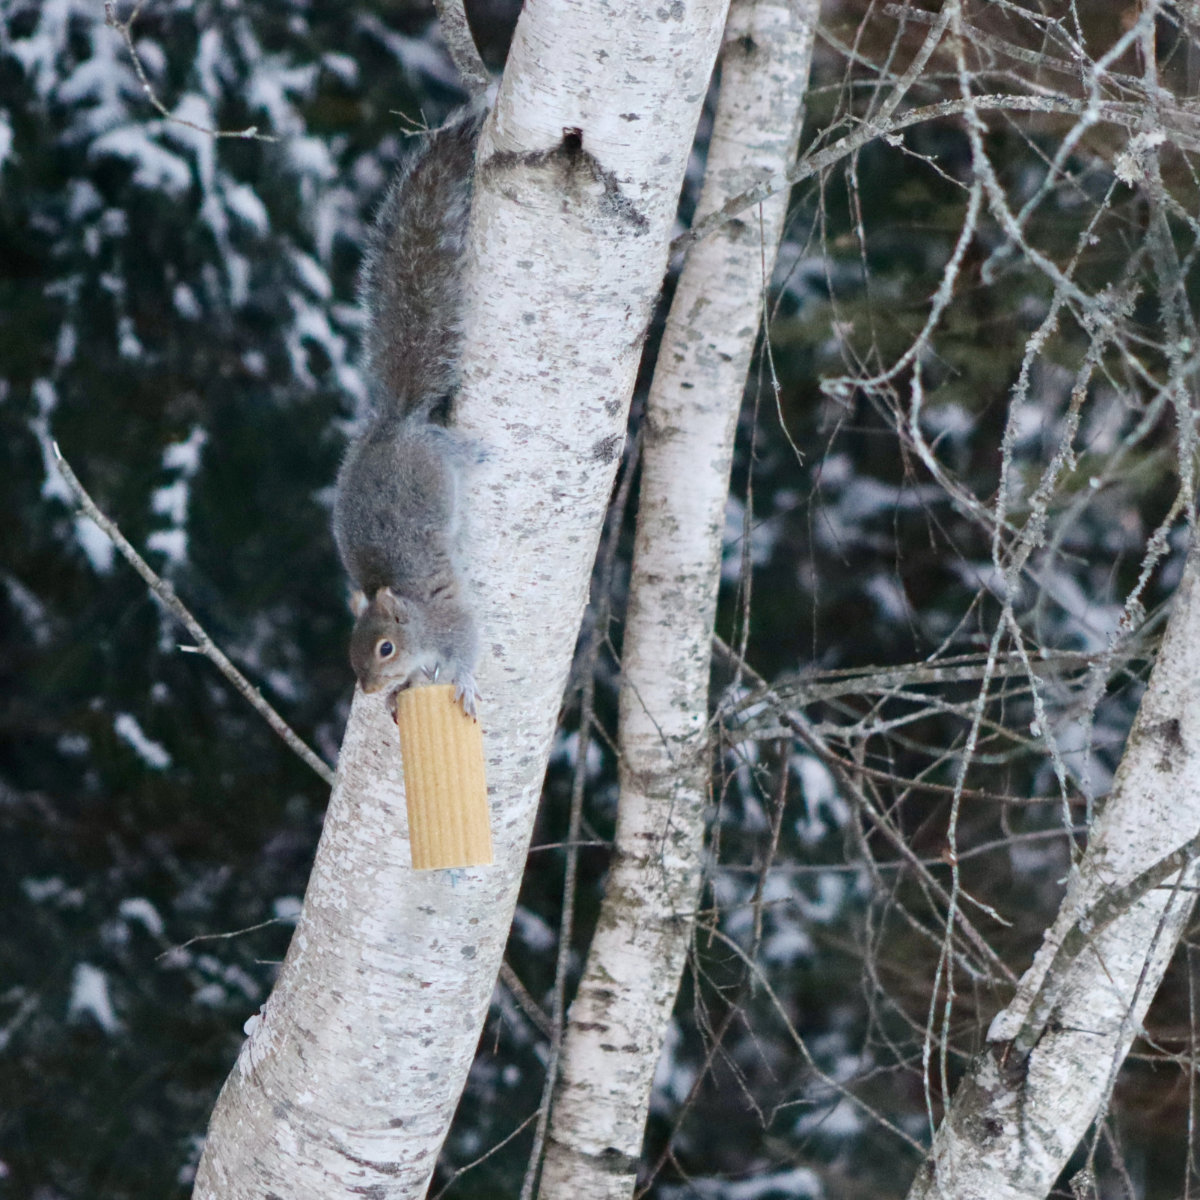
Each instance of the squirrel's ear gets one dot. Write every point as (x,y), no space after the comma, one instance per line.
(387,601)
(358,603)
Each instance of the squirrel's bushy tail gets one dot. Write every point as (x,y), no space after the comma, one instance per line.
(412,273)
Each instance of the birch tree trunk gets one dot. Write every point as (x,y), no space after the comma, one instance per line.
(620,1014)
(1030,1097)
(349,1079)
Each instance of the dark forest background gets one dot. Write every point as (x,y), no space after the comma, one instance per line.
(178,312)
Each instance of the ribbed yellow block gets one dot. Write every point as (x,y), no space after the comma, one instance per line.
(442,748)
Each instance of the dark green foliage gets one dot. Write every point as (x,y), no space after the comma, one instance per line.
(178,313)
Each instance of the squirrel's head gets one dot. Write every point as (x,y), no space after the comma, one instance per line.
(381,644)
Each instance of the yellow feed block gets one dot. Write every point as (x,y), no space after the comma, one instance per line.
(442,748)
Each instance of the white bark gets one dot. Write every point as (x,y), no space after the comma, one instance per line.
(1015,1121)
(347,1085)
(619,1017)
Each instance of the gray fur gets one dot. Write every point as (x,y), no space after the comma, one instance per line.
(411,282)
(397,512)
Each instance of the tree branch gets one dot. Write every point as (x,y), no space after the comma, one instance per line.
(125,29)
(1112,904)
(1127,115)
(456,33)
(171,602)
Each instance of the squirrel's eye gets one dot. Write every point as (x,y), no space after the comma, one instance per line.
(385,649)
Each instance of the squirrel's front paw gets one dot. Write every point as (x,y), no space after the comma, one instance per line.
(466,693)
(393,702)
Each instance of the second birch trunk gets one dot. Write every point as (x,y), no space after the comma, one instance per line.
(619,1018)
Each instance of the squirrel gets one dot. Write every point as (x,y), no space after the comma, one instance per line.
(397,509)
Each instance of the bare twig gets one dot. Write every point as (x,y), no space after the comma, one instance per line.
(563,961)
(862,681)
(829,1081)
(125,29)
(880,820)
(484,1156)
(525,1002)
(221,937)
(1115,902)
(1127,115)
(171,602)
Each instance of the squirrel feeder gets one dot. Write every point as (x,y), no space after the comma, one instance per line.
(442,749)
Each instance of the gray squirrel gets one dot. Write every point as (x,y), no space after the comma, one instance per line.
(397,512)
